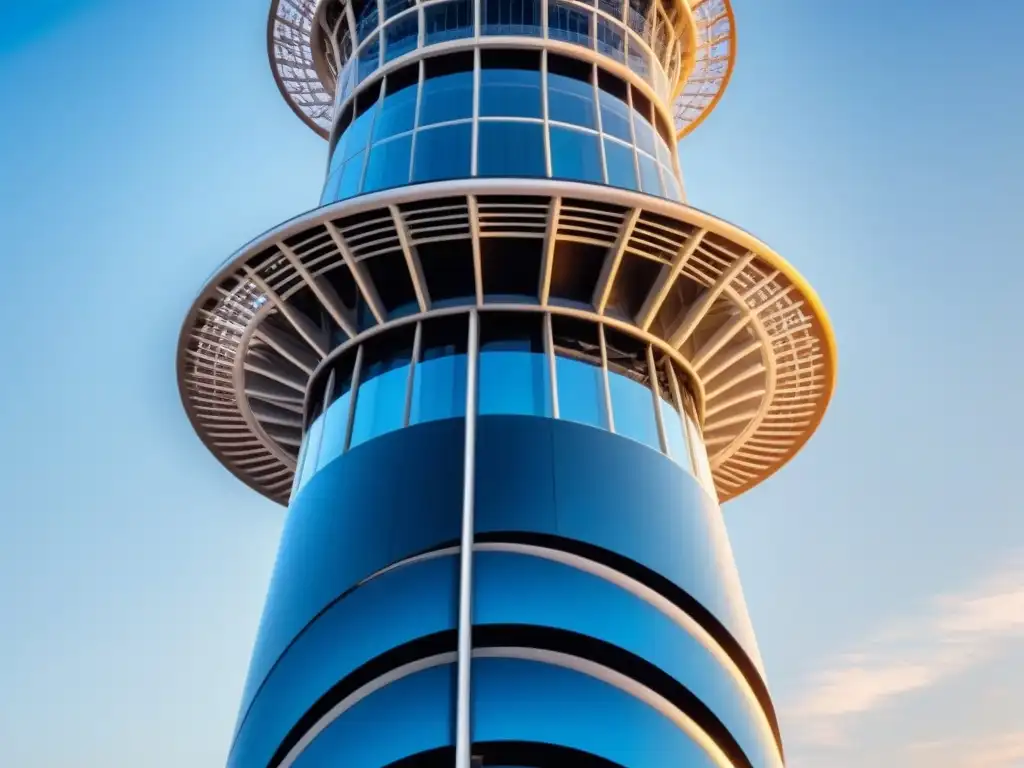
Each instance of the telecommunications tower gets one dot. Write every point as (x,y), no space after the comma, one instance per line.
(503,377)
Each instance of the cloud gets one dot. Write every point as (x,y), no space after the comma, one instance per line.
(957,631)
(998,750)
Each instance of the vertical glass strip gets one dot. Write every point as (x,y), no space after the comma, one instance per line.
(652,373)
(356,374)
(416,343)
(549,351)
(609,417)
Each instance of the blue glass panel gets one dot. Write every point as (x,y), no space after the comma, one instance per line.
(448,97)
(394,7)
(674,435)
(327,195)
(401,36)
(351,175)
(621,170)
(439,389)
(397,114)
(413,714)
(448,21)
(644,133)
(511,17)
(575,155)
(369,59)
(609,39)
(664,152)
(510,93)
(443,153)
(298,468)
(514,383)
(615,117)
(380,405)
(633,410)
(388,165)
(511,149)
(671,185)
(649,178)
(515,699)
(336,422)
(570,23)
(580,392)
(357,135)
(571,101)
(312,451)
(637,57)
(367,21)
(519,589)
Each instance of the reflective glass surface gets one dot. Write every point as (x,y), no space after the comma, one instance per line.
(388,165)
(511,149)
(332,444)
(510,93)
(699,454)
(621,167)
(569,22)
(675,435)
(650,180)
(510,17)
(446,98)
(514,382)
(510,132)
(443,153)
(448,21)
(571,101)
(580,392)
(312,451)
(439,389)
(633,410)
(402,36)
(575,155)
(380,405)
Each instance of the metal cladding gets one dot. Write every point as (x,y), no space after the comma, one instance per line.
(503,377)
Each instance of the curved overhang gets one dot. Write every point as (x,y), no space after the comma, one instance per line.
(721,302)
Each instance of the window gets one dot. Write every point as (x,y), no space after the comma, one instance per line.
(511,149)
(510,17)
(332,445)
(388,165)
(439,381)
(621,168)
(311,451)
(443,153)
(448,21)
(570,99)
(701,466)
(569,22)
(615,116)
(641,124)
(447,97)
(633,408)
(575,155)
(380,402)
(351,176)
(401,36)
(580,391)
(513,367)
(610,41)
(510,91)
(650,180)
(398,110)
(369,59)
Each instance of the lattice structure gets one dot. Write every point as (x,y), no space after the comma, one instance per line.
(723,304)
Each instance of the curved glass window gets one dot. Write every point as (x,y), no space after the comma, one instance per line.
(402,36)
(510,92)
(388,165)
(369,58)
(610,38)
(513,366)
(510,17)
(451,20)
(575,155)
(443,153)
(650,179)
(571,101)
(601,379)
(569,22)
(621,165)
(511,149)
(589,138)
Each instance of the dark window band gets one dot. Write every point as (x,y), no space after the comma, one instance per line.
(522,754)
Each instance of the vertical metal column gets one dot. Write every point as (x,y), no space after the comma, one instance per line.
(463,738)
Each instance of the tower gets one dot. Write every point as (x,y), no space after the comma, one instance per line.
(503,377)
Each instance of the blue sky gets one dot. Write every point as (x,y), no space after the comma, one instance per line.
(876,146)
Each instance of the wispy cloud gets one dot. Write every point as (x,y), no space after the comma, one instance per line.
(956,632)
(999,750)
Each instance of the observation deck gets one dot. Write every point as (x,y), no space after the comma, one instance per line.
(684,50)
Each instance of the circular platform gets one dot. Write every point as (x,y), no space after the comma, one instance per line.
(294,61)
(728,309)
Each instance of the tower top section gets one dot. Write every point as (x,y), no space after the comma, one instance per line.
(320,50)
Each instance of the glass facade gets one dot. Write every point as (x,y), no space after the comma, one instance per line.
(519,374)
(503,113)
(640,36)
